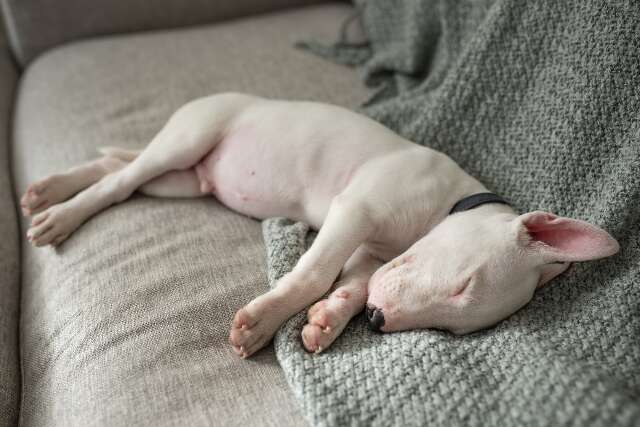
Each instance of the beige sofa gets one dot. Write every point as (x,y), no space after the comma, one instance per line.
(127,322)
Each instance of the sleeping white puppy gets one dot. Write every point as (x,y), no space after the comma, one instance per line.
(389,235)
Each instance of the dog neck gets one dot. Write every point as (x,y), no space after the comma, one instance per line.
(475,200)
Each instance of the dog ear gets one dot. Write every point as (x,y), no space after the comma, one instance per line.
(551,270)
(560,239)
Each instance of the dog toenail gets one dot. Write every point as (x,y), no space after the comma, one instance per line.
(327,329)
(243,326)
(319,349)
(375,317)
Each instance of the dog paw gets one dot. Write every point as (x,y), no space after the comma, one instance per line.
(46,192)
(326,321)
(255,324)
(51,227)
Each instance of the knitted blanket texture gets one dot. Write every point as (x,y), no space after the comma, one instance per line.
(539,100)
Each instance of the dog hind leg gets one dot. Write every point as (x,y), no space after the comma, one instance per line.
(58,187)
(191,133)
(175,184)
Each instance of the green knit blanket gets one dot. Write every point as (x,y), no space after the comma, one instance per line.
(540,100)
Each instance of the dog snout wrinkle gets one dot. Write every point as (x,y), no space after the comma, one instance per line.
(375,317)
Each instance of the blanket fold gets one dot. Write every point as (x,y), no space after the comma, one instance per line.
(539,101)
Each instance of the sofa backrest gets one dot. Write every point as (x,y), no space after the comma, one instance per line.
(9,254)
(36,25)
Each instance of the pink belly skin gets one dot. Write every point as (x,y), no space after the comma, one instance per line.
(249,179)
(275,160)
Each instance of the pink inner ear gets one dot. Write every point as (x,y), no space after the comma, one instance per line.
(569,239)
(563,239)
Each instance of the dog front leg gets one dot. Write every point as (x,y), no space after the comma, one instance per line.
(346,227)
(328,318)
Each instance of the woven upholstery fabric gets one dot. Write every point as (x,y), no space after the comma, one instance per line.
(37,25)
(9,257)
(539,100)
(127,322)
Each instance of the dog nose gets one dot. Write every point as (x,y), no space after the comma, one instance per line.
(375,317)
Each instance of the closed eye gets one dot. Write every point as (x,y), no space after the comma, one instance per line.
(460,290)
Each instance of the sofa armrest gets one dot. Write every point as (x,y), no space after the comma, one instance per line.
(9,254)
(37,25)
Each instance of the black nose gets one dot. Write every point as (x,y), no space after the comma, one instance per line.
(375,317)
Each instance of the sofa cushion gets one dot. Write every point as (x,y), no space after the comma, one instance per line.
(126,323)
(9,257)
(37,25)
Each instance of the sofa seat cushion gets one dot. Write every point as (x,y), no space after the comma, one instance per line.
(126,323)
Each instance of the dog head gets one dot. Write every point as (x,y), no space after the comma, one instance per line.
(475,269)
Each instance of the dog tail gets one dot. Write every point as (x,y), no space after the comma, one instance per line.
(119,153)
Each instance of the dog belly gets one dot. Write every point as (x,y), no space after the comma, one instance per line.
(257,176)
(235,175)
(279,160)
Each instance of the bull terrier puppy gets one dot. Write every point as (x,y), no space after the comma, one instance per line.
(387,238)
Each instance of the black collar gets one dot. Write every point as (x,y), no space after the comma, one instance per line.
(476,200)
